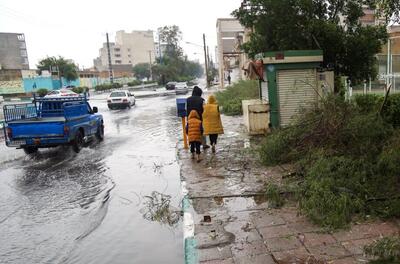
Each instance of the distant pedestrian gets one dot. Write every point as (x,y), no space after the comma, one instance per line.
(229,79)
(194,130)
(212,121)
(196,102)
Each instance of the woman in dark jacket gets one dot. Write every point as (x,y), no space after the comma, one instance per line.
(196,102)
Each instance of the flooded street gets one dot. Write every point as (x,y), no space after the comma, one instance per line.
(117,201)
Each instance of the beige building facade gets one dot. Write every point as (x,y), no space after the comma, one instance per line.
(129,48)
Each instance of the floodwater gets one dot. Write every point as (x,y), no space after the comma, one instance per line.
(117,201)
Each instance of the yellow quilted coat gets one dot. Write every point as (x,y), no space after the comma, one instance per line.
(211,118)
(194,128)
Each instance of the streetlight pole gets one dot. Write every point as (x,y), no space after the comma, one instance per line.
(205,58)
(109,61)
(151,72)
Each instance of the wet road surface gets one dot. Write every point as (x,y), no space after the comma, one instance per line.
(115,202)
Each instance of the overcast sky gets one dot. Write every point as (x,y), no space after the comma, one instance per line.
(76,29)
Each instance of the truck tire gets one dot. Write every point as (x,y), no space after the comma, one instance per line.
(77,144)
(100,132)
(30,150)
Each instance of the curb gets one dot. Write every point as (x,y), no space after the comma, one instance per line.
(190,243)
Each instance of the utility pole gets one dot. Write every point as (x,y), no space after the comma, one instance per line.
(205,57)
(110,71)
(151,72)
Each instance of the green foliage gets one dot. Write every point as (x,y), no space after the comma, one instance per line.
(309,25)
(42,92)
(347,156)
(141,70)
(105,87)
(134,83)
(387,250)
(66,67)
(80,89)
(391,111)
(231,98)
(174,66)
(274,197)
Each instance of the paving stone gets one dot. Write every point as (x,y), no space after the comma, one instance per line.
(225,261)
(289,214)
(214,253)
(356,247)
(329,252)
(302,227)
(317,239)
(366,231)
(348,260)
(283,243)
(291,256)
(257,259)
(248,249)
(275,231)
(264,219)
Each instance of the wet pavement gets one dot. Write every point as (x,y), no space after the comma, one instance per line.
(118,201)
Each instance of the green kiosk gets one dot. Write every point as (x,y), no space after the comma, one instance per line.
(293,81)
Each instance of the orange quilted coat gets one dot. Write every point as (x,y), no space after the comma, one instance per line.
(211,118)
(194,127)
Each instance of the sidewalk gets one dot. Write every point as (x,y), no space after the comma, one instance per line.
(227,219)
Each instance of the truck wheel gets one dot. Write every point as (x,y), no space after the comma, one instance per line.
(77,144)
(30,150)
(100,132)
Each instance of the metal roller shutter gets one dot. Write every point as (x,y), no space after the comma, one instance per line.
(296,90)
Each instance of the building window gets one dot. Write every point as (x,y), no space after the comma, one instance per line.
(23,53)
(21,37)
(117,49)
(129,50)
(117,55)
(117,62)
(22,45)
(25,61)
(130,62)
(129,55)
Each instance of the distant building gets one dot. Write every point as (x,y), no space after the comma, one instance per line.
(128,49)
(230,34)
(161,49)
(13,53)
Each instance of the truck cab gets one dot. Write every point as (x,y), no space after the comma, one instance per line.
(51,122)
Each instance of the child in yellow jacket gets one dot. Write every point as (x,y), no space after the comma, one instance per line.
(212,121)
(194,130)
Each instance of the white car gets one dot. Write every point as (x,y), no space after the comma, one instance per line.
(181,88)
(60,93)
(120,99)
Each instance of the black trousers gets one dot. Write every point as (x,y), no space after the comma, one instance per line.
(213,139)
(195,146)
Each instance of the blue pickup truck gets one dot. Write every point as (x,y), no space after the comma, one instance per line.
(51,122)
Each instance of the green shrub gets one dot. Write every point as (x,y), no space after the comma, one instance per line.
(105,87)
(231,98)
(387,250)
(391,111)
(134,83)
(348,158)
(274,197)
(42,92)
(367,103)
(80,89)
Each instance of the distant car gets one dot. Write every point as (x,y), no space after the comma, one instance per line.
(181,88)
(120,99)
(70,86)
(60,93)
(170,86)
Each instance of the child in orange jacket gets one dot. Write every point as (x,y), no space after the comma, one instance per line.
(194,130)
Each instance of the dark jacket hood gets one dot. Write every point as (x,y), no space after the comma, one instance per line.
(197,91)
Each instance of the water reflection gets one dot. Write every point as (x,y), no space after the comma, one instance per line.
(157,208)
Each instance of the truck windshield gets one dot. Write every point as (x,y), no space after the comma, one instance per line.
(118,94)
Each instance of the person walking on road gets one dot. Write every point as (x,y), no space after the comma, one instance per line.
(196,102)
(212,121)
(194,130)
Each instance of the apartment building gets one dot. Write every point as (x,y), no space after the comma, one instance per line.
(13,52)
(128,49)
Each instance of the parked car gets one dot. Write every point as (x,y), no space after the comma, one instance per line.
(120,99)
(170,86)
(60,93)
(181,88)
(51,122)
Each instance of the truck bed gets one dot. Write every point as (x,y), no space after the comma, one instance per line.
(39,119)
